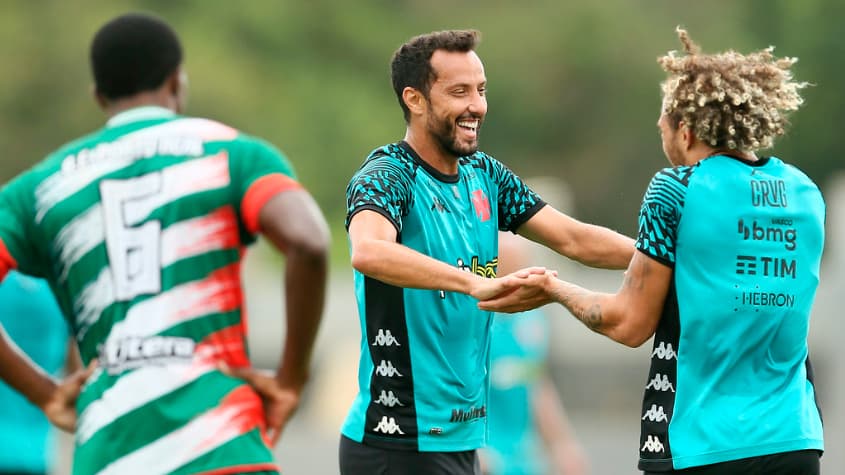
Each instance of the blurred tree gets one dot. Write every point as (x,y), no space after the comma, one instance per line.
(573,85)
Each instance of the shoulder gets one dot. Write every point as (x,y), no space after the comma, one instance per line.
(482,161)
(390,161)
(796,172)
(671,182)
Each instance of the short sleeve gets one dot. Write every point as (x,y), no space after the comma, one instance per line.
(382,185)
(660,214)
(18,249)
(517,203)
(259,172)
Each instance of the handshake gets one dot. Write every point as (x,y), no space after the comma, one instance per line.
(522,290)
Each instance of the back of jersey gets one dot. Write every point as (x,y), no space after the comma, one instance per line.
(749,247)
(140,229)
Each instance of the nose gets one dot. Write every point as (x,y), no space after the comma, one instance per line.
(477,104)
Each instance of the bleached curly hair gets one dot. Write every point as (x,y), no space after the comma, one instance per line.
(729,100)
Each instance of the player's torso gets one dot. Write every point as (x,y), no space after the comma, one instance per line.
(442,369)
(140,223)
(747,259)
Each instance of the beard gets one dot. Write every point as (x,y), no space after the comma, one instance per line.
(444,132)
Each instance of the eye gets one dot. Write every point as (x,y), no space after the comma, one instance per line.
(459,92)
(482,91)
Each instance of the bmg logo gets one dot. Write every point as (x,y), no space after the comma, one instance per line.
(755,232)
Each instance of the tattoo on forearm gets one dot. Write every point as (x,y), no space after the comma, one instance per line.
(580,303)
(592,317)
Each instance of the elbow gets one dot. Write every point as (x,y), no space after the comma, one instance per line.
(635,341)
(630,336)
(313,247)
(364,258)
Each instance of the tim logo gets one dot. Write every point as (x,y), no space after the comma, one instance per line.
(768,193)
(388,425)
(653,445)
(766,266)
(655,414)
(755,232)
(481,205)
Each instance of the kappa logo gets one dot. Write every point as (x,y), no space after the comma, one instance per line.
(653,445)
(660,382)
(664,352)
(385,368)
(655,414)
(438,205)
(388,425)
(385,338)
(388,399)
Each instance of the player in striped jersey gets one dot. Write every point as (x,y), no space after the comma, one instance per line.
(730,248)
(140,228)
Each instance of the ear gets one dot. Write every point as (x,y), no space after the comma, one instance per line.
(173,83)
(99,98)
(686,135)
(414,100)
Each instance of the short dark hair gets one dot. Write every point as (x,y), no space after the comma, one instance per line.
(133,53)
(411,64)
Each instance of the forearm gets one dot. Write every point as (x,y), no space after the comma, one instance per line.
(591,245)
(401,266)
(305,289)
(597,310)
(23,375)
(597,246)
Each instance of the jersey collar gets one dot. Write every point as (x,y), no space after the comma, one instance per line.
(139,113)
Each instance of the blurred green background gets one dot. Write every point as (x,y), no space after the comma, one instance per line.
(573,85)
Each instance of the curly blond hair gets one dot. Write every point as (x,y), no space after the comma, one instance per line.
(729,100)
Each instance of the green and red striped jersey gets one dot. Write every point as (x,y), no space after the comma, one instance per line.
(140,229)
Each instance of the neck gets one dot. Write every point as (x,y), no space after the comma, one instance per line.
(431,152)
(152,98)
(699,153)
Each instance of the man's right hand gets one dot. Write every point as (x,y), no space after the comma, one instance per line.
(60,409)
(530,289)
(498,288)
(280,401)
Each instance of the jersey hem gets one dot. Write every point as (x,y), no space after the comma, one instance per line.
(691,461)
(260,192)
(246,468)
(375,208)
(528,214)
(418,445)
(661,260)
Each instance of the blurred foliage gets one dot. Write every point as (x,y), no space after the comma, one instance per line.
(573,85)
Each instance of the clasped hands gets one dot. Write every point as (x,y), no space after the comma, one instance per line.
(519,291)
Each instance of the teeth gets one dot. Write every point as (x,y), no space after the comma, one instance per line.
(468,124)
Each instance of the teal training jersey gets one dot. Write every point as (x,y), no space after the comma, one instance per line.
(31,318)
(518,351)
(424,353)
(730,374)
(140,229)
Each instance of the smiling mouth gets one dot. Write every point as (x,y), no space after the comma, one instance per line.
(470,125)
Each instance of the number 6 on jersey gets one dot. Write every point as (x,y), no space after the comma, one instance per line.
(134,250)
